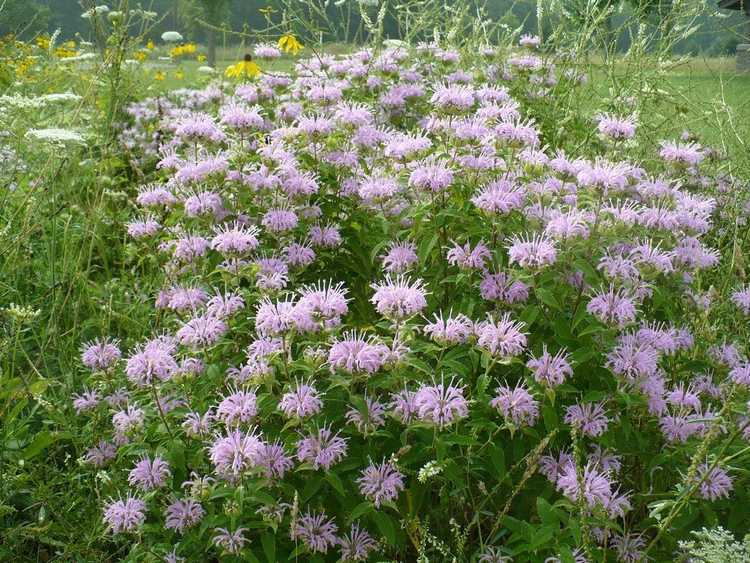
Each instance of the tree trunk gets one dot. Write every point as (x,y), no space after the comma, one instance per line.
(211,40)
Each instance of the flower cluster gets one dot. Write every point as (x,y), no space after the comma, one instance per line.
(379,264)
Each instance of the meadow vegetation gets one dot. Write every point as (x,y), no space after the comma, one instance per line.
(469,295)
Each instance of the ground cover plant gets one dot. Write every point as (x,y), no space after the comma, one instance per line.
(414,301)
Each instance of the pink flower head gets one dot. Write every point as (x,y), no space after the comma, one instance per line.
(280,220)
(534,251)
(356,355)
(149,474)
(238,407)
(715,482)
(86,401)
(741,299)
(589,418)
(325,236)
(183,514)
(316,531)
(501,338)
(404,406)
(368,417)
(682,154)
(453,97)
(234,239)
(469,258)
(613,307)
(322,303)
(241,117)
(517,405)
(398,299)
(440,404)
(273,319)
(199,127)
(550,370)
(152,361)
(231,542)
(501,287)
(500,197)
(301,402)
(357,545)
(400,257)
(378,188)
(431,177)
(322,448)
(101,354)
(451,331)
(272,460)
(125,515)
(101,454)
(616,127)
(202,331)
(234,454)
(381,482)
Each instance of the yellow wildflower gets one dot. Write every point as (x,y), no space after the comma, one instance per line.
(159,75)
(66,49)
(42,42)
(180,50)
(289,44)
(200,58)
(150,45)
(179,75)
(141,56)
(243,69)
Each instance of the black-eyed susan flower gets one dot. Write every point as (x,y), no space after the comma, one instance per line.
(289,44)
(246,68)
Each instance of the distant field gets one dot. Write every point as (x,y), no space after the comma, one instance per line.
(701,95)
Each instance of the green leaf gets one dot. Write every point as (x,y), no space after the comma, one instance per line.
(385,525)
(360,510)
(548,298)
(529,315)
(38,444)
(39,387)
(268,541)
(426,247)
(336,483)
(550,417)
(312,487)
(543,535)
(545,511)
(497,457)
(459,440)
(593,328)
(566,554)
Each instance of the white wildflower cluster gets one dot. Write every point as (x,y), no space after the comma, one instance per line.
(171,36)
(21,314)
(80,58)
(56,136)
(429,470)
(716,545)
(95,11)
(10,162)
(19,102)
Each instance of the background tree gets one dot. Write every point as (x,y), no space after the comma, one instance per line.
(213,11)
(22,17)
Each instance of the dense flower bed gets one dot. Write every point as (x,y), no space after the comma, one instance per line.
(394,321)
